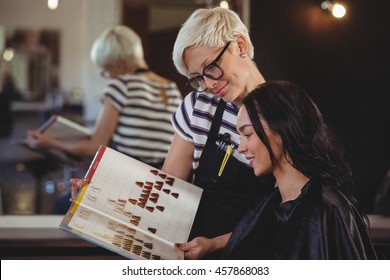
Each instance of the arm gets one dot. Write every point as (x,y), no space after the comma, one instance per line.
(201,246)
(104,128)
(178,161)
(180,152)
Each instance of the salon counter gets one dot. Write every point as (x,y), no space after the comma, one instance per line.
(38,237)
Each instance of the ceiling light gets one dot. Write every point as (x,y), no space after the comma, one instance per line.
(224,4)
(52,4)
(338,10)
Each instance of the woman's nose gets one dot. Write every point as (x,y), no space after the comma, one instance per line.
(241,148)
(210,83)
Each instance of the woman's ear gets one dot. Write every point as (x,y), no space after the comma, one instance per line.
(242,45)
(278,139)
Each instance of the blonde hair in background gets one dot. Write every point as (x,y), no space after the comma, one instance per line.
(211,28)
(118,43)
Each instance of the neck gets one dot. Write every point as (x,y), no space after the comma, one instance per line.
(290,181)
(254,79)
(139,67)
(141,70)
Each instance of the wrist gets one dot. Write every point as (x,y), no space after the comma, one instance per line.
(53,144)
(219,242)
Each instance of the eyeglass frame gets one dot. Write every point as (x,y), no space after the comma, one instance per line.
(213,63)
(105,74)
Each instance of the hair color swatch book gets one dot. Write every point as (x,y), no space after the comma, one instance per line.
(132,208)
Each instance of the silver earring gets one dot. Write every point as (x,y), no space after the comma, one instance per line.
(242,55)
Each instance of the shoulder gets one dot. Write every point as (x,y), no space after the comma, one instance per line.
(152,79)
(121,84)
(116,82)
(335,205)
(326,201)
(156,78)
(333,198)
(200,101)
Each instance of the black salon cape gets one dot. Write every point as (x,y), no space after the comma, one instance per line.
(320,224)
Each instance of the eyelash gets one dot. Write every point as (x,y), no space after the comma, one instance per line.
(248,135)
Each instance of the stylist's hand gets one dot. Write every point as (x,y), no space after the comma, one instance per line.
(76,184)
(196,248)
(37,140)
(200,246)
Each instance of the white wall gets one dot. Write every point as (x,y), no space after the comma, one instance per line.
(97,15)
(79,23)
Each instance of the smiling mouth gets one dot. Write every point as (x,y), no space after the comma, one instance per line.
(221,92)
(250,161)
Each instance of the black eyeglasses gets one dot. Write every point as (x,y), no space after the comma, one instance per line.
(107,70)
(212,71)
(105,74)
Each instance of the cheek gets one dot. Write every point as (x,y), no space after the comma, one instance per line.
(240,70)
(235,78)
(253,147)
(263,164)
(277,148)
(234,70)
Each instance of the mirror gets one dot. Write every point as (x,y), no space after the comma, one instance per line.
(32,59)
(45,57)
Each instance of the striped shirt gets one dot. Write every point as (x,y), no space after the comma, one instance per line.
(144,130)
(193,119)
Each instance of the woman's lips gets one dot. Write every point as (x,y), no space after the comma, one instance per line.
(250,161)
(221,92)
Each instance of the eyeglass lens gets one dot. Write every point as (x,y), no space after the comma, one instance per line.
(211,71)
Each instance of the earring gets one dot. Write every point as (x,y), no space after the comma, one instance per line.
(242,55)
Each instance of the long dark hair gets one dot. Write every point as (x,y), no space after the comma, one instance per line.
(308,141)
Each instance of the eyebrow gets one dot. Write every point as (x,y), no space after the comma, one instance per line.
(241,128)
(203,65)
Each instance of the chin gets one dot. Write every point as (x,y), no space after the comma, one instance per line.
(226,99)
(261,172)
(258,173)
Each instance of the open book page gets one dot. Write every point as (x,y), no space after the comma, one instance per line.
(63,128)
(133,209)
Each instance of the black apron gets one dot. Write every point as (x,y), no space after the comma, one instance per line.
(226,198)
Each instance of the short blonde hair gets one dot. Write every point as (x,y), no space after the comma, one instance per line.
(118,43)
(211,28)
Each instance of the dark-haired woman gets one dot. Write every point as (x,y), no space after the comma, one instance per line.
(312,213)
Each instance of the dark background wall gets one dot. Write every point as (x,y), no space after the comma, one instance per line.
(343,64)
